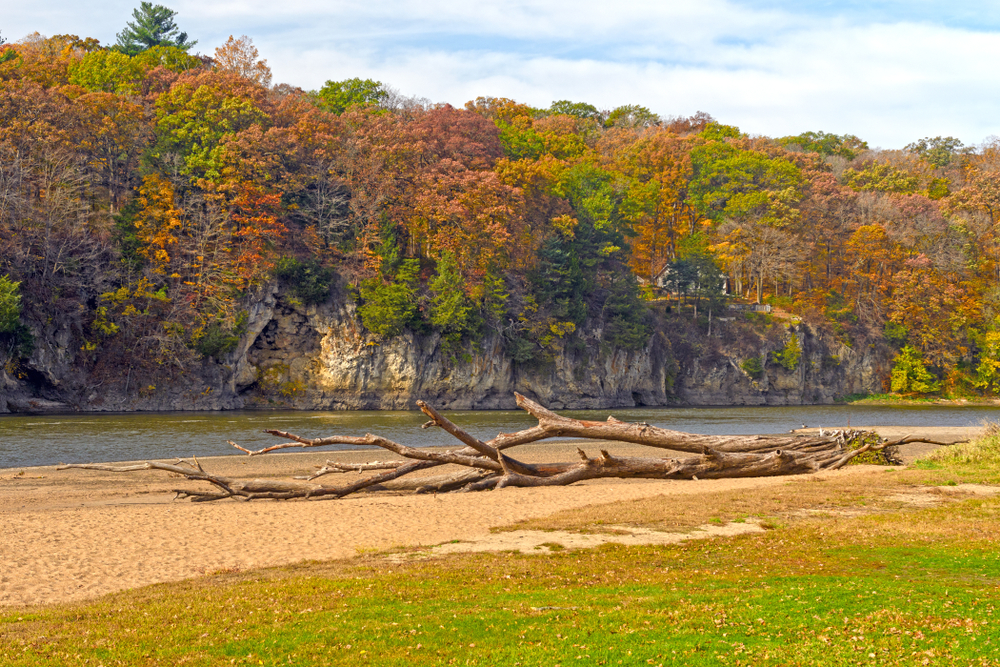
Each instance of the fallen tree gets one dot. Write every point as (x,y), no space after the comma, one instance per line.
(487,466)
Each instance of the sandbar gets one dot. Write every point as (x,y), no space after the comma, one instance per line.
(76,534)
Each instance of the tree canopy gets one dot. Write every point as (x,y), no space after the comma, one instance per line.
(339,96)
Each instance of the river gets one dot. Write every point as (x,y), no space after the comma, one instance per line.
(31,440)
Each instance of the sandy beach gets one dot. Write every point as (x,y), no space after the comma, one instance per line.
(76,534)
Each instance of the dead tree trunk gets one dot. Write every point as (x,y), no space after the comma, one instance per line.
(486,465)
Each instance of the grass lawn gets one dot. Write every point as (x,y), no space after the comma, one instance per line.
(860,578)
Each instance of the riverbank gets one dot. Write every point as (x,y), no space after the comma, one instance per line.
(85,438)
(76,534)
(896,399)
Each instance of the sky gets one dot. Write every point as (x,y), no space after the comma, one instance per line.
(890,71)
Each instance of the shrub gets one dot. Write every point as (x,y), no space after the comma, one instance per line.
(217,340)
(20,341)
(896,334)
(521,350)
(125,236)
(909,375)
(988,370)
(310,281)
(272,381)
(888,456)
(789,356)
(753,368)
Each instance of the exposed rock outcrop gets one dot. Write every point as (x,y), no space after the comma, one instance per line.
(321,358)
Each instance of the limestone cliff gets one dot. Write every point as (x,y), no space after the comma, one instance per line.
(321,358)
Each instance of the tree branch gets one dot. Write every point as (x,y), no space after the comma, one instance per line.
(486,465)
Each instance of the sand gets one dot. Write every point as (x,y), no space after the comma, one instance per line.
(77,534)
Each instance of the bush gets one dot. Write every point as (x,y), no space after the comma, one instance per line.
(789,356)
(909,375)
(310,281)
(760,320)
(125,236)
(523,351)
(883,457)
(20,341)
(988,370)
(753,368)
(896,334)
(217,340)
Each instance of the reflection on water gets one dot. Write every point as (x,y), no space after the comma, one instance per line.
(35,440)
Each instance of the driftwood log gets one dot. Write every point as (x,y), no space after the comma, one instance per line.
(487,466)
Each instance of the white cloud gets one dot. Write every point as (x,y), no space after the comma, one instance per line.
(559,19)
(769,71)
(889,84)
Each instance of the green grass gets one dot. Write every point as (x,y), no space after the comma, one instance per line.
(909,399)
(902,587)
(980,454)
(883,399)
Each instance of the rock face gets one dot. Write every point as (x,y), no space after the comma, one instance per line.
(827,371)
(321,358)
(344,367)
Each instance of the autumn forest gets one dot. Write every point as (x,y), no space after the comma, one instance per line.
(147,194)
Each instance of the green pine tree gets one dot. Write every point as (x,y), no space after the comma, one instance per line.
(10,304)
(153,26)
(451,312)
(387,308)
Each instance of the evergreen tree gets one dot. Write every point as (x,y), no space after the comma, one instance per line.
(452,312)
(10,304)
(389,301)
(387,308)
(153,26)
(625,315)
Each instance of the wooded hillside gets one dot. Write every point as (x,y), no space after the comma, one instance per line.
(146,193)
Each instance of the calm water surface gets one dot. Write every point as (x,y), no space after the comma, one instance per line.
(85,438)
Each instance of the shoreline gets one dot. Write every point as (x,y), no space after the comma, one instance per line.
(82,438)
(889,400)
(950,434)
(73,534)
(45,408)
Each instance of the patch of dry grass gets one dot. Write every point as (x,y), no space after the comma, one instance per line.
(983,452)
(903,587)
(852,492)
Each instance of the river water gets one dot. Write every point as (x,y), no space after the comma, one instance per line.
(86,438)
